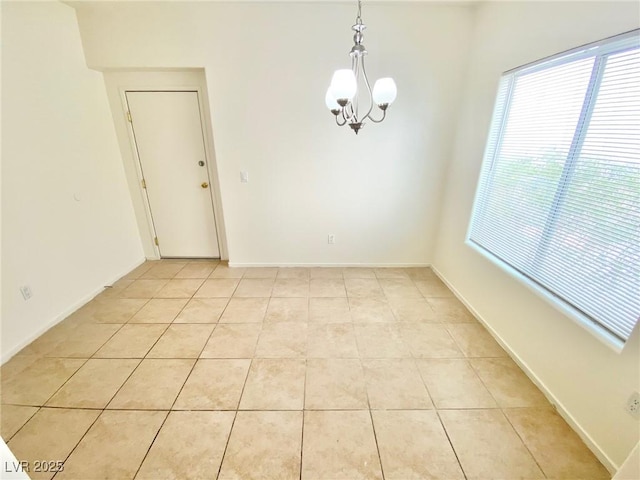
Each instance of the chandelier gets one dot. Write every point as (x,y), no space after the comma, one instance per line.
(342,96)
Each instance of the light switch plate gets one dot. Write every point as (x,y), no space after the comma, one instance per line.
(26,292)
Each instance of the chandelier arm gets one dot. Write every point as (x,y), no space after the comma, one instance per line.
(349,115)
(366,82)
(384,114)
(343,113)
(338,121)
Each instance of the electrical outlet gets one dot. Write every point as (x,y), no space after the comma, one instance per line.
(633,405)
(331,239)
(25,290)
(244,176)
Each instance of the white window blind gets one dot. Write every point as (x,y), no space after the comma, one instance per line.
(559,194)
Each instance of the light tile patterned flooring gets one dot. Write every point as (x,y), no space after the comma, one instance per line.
(196,370)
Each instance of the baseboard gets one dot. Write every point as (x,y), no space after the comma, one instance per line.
(7,355)
(609,464)
(335,265)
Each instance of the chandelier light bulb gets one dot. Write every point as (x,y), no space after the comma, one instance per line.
(384,91)
(343,85)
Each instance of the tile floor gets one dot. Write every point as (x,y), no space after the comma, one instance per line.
(193,370)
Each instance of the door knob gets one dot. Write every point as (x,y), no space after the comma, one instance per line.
(204,185)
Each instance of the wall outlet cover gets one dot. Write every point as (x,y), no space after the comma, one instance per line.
(633,405)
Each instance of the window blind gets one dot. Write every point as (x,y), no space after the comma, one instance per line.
(559,193)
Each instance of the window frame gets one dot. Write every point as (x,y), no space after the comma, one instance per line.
(493,142)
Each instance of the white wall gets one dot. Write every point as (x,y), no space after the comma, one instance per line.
(68,226)
(267,68)
(587,379)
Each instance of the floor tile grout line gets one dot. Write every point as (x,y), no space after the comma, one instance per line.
(115,333)
(444,428)
(366,391)
(319,409)
(136,312)
(125,381)
(304,405)
(415,361)
(151,444)
(91,356)
(195,362)
(244,384)
(524,443)
(484,384)
(7,440)
(146,262)
(186,303)
(194,263)
(375,439)
(280,323)
(235,416)
(117,389)
(425,409)
(226,445)
(456,342)
(157,339)
(67,380)
(79,441)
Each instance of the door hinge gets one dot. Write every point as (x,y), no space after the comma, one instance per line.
(144,184)
(129,116)
(155,240)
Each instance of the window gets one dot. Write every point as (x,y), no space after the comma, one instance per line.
(558,201)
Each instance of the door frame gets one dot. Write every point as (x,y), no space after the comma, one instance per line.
(118,82)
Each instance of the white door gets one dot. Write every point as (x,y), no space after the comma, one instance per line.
(169,137)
